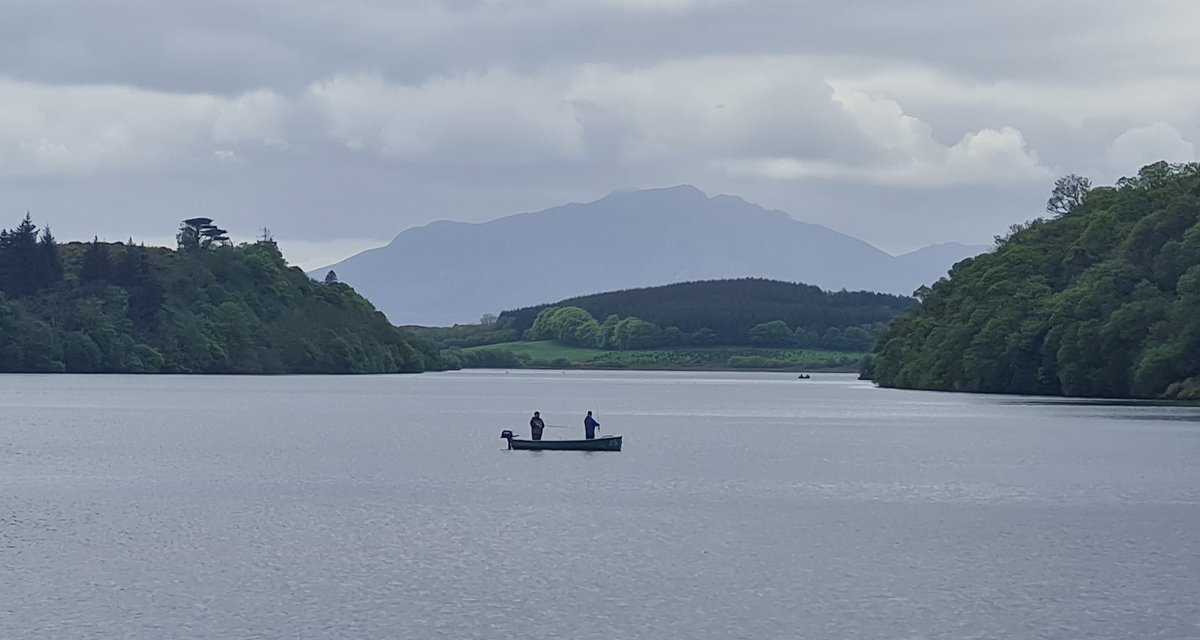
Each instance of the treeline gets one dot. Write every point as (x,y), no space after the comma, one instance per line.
(462,336)
(726,312)
(576,327)
(698,358)
(208,307)
(1101,300)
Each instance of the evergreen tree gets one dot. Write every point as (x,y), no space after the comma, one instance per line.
(51,268)
(96,266)
(196,234)
(22,261)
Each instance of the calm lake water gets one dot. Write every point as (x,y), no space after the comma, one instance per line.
(743,506)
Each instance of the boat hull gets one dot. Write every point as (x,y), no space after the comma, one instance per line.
(600,443)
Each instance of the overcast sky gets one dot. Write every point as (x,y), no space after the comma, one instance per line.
(340,124)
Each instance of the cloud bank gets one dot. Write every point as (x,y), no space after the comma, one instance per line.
(346,123)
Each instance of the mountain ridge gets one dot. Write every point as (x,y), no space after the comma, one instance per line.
(449,272)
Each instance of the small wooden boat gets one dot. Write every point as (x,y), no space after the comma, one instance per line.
(599,443)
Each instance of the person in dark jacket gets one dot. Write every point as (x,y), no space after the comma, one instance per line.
(589,426)
(536,425)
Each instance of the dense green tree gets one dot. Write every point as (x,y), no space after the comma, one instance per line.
(1104,301)
(673,337)
(570,325)
(606,335)
(123,308)
(81,354)
(635,333)
(489,358)
(775,333)
(856,339)
(1070,192)
(26,343)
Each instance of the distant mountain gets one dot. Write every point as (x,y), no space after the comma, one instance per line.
(454,272)
(927,264)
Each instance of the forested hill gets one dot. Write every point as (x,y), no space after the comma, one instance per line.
(730,308)
(209,307)
(1101,300)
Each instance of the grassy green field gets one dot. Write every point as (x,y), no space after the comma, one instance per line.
(548,353)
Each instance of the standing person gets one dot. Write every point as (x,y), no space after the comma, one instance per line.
(589,426)
(536,425)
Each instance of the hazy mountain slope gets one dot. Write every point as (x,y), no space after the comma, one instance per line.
(448,272)
(928,264)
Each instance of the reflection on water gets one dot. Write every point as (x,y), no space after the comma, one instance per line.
(743,506)
(1117,409)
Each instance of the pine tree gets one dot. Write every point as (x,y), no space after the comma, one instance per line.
(51,268)
(19,259)
(5,262)
(95,266)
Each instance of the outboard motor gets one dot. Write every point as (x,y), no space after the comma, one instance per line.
(507,435)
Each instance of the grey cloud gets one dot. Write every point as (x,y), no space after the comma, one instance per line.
(904,123)
(229,46)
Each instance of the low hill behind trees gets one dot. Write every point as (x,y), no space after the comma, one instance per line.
(728,310)
(747,312)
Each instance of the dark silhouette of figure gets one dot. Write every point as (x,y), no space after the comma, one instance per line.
(589,426)
(536,425)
